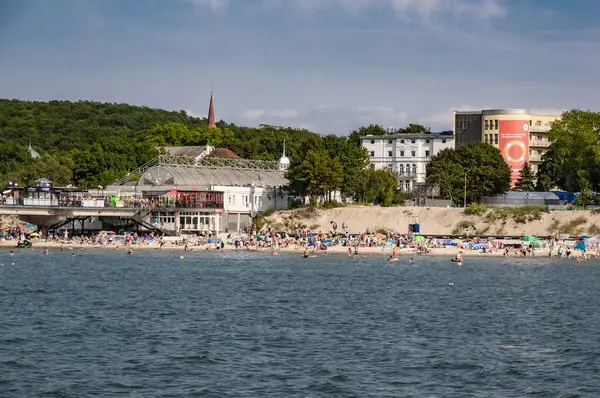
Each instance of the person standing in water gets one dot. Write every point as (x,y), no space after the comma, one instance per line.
(130,251)
(45,251)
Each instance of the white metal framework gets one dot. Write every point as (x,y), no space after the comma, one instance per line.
(207,162)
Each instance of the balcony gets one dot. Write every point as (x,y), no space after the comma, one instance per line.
(535,157)
(540,128)
(539,143)
(406,175)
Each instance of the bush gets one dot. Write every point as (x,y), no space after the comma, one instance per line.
(593,230)
(475,209)
(461,226)
(332,204)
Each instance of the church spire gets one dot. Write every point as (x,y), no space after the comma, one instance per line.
(211,113)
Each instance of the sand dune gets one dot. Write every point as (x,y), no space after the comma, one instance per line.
(437,221)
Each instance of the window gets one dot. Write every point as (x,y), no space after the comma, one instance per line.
(427,141)
(485,138)
(390,153)
(372,153)
(389,168)
(443,141)
(389,141)
(230,199)
(495,138)
(487,125)
(495,124)
(427,153)
(412,141)
(407,185)
(539,137)
(401,153)
(412,153)
(414,169)
(372,141)
(402,141)
(401,169)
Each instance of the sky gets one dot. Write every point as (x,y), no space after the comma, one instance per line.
(326,65)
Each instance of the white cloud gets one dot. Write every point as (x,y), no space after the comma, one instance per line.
(284,113)
(404,8)
(252,114)
(212,4)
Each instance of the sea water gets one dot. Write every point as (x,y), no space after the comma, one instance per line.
(103,323)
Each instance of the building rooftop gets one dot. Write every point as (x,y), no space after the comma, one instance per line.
(511,111)
(434,136)
(165,176)
(191,151)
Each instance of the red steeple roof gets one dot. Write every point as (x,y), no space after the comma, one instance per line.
(211,114)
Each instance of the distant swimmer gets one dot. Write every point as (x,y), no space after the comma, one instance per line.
(73,254)
(349,252)
(392,259)
(305,255)
(12,254)
(130,251)
(45,251)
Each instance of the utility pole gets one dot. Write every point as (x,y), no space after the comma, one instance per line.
(465,197)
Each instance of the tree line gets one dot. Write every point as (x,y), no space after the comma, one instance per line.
(91,143)
(88,144)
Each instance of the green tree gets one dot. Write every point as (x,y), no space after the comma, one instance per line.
(526,181)
(371,129)
(317,176)
(573,158)
(478,165)
(414,128)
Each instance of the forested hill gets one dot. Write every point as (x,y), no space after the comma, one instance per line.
(91,143)
(64,125)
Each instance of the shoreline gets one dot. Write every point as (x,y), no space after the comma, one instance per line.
(333,250)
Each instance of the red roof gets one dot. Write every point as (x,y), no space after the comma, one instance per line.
(224,153)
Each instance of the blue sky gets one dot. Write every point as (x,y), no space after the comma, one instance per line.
(327,65)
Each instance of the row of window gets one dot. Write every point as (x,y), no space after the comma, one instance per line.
(493,124)
(493,138)
(490,138)
(427,141)
(245,200)
(391,153)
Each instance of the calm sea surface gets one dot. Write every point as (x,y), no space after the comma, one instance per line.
(244,325)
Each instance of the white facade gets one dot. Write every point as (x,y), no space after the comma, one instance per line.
(406,155)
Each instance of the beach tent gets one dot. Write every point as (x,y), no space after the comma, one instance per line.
(529,238)
(538,245)
(390,242)
(580,245)
(418,238)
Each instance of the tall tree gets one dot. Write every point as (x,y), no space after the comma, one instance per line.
(317,176)
(572,162)
(414,128)
(526,181)
(477,165)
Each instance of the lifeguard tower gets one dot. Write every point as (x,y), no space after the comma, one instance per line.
(414,226)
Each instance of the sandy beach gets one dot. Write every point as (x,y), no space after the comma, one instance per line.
(449,252)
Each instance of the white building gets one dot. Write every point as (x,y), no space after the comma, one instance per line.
(406,155)
(192,193)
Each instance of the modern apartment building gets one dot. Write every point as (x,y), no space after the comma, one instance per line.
(520,134)
(406,155)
